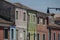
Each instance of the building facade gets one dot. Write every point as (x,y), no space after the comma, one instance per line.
(42,31)
(21,22)
(54,28)
(4,29)
(32,24)
(7,11)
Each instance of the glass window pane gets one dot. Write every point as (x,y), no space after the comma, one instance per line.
(38,36)
(33,18)
(16,14)
(12,34)
(43,21)
(6,33)
(54,36)
(38,20)
(43,36)
(24,18)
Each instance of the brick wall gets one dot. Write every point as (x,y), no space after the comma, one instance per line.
(52,34)
(42,29)
(1,33)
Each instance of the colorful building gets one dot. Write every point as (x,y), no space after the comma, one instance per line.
(21,22)
(32,24)
(42,31)
(7,11)
(54,28)
(25,22)
(4,29)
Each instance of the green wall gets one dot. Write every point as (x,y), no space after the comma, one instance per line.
(32,25)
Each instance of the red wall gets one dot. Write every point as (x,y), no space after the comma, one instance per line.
(54,31)
(1,33)
(42,29)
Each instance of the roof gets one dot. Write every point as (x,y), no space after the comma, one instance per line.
(22,6)
(53,26)
(57,19)
(4,22)
(42,14)
(10,3)
(57,15)
(6,10)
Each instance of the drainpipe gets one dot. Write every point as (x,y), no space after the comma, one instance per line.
(27,26)
(48,24)
(49,33)
(34,35)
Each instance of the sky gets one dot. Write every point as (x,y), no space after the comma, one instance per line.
(40,5)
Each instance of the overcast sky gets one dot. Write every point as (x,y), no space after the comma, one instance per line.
(40,5)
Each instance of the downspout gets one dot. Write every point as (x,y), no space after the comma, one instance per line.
(49,33)
(27,26)
(48,24)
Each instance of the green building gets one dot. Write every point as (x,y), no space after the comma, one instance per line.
(32,24)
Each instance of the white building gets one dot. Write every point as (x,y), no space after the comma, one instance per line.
(21,23)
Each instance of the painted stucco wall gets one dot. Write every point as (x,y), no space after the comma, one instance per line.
(21,25)
(20,22)
(32,25)
(56,34)
(1,33)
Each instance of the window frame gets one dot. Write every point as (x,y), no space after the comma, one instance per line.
(24,16)
(44,37)
(16,14)
(38,36)
(38,20)
(43,21)
(34,18)
(54,35)
(5,36)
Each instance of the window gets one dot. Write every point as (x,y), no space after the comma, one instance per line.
(12,34)
(17,34)
(43,21)
(6,33)
(28,36)
(51,19)
(24,18)
(38,36)
(21,35)
(38,20)
(43,36)
(54,36)
(28,17)
(33,18)
(16,14)
(59,36)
